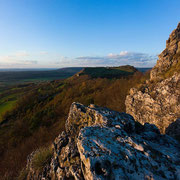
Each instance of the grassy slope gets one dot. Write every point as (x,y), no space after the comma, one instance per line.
(45,107)
(6,106)
(7,102)
(10,95)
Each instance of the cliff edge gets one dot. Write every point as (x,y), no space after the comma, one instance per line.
(158,100)
(102,144)
(169,58)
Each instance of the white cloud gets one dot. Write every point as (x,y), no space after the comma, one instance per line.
(123,53)
(17,59)
(24,59)
(110,54)
(21,54)
(14,56)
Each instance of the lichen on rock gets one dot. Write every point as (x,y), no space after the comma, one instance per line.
(105,144)
(159,105)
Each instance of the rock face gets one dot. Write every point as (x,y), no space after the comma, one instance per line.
(159,105)
(167,58)
(174,130)
(104,144)
(158,102)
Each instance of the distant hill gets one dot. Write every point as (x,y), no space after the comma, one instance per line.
(73,70)
(108,72)
(19,76)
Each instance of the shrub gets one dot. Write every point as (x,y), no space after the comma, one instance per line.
(41,158)
(174,68)
(23,174)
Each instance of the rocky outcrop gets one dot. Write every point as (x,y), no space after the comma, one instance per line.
(104,144)
(34,174)
(158,103)
(167,58)
(158,100)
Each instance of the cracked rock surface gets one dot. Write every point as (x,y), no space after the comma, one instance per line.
(159,105)
(105,144)
(158,100)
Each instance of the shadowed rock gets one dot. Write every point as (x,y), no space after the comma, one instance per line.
(173,130)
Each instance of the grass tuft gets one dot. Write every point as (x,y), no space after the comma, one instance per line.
(23,174)
(174,68)
(41,158)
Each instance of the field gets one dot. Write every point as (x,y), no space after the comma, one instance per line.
(9,96)
(14,84)
(11,77)
(6,104)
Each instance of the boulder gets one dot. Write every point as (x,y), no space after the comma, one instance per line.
(103,144)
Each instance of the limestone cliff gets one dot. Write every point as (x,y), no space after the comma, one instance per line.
(170,57)
(158,101)
(159,104)
(102,144)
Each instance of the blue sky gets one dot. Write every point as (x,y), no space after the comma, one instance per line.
(60,33)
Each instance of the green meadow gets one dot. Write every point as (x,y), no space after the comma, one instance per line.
(6,104)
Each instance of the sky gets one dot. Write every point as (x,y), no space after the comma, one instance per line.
(66,33)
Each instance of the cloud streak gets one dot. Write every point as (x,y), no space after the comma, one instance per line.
(123,58)
(43,53)
(17,59)
(44,59)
